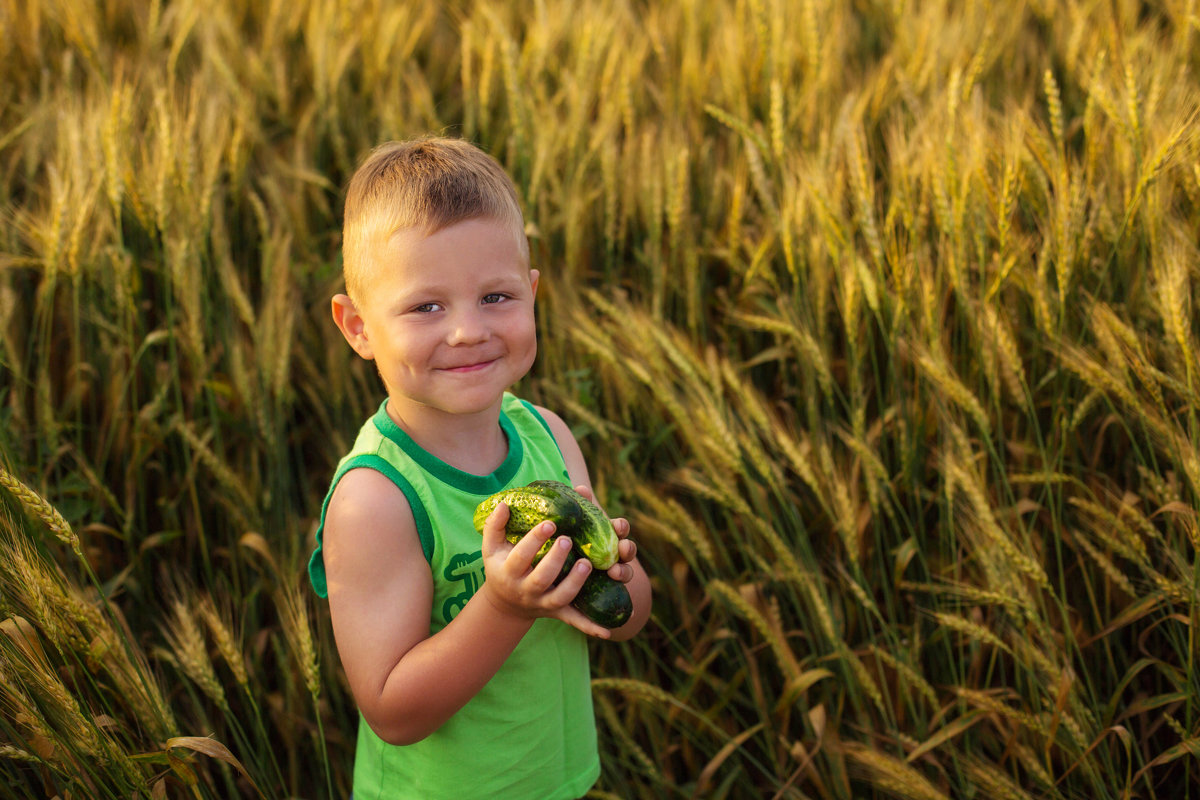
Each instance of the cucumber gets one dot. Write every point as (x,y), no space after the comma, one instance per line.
(595,538)
(601,599)
(572,514)
(529,505)
(604,601)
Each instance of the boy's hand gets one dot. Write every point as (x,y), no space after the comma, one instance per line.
(622,571)
(517,587)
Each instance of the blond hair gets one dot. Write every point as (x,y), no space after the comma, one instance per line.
(427,185)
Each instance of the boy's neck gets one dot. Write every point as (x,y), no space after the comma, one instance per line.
(473,443)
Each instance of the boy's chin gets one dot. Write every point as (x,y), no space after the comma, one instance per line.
(464,404)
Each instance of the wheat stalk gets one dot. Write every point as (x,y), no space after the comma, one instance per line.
(994,782)
(637,688)
(1127,542)
(298,633)
(970,629)
(987,702)
(770,631)
(58,710)
(1001,338)
(18,754)
(938,372)
(224,475)
(1110,569)
(189,650)
(628,743)
(891,774)
(1174,296)
(1054,103)
(671,520)
(990,528)
(908,674)
(40,508)
(1033,764)
(227,642)
(972,595)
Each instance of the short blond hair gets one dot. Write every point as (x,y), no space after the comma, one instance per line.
(424,184)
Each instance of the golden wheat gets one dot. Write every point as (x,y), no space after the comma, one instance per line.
(227,642)
(987,702)
(1113,531)
(971,630)
(769,630)
(41,509)
(891,774)
(990,528)
(937,370)
(908,674)
(56,709)
(637,688)
(972,595)
(189,651)
(298,633)
(628,743)
(995,782)
(1114,574)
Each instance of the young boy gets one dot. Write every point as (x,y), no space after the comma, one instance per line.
(468,664)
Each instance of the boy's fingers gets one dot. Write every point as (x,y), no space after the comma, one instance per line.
(569,586)
(621,572)
(626,550)
(493,527)
(546,571)
(566,591)
(531,542)
(576,619)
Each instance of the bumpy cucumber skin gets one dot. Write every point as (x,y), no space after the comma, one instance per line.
(595,537)
(604,601)
(601,599)
(573,515)
(529,505)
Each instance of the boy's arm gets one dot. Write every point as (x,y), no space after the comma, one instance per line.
(628,569)
(406,682)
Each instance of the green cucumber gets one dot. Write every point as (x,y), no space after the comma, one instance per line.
(595,537)
(573,515)
(529,505)
(604,601)
(601,599)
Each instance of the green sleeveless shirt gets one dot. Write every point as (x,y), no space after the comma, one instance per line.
(530,732)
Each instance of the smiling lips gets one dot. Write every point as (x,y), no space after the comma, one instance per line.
(471,367)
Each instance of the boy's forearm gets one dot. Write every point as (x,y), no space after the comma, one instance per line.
(437,677)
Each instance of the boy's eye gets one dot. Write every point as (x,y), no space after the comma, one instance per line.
(495,297)
(425,308)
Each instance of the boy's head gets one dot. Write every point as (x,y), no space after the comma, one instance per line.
(425,185)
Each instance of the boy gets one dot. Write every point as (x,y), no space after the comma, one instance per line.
(468,665)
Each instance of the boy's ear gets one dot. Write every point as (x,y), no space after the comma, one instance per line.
(352,325)
(533,280)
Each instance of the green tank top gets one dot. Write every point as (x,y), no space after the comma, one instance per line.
(530,732)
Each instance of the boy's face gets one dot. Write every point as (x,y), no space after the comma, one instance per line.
(448,318)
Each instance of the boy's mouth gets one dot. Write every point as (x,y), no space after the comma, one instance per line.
(471,367)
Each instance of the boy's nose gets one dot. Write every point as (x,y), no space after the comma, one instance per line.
(467,328)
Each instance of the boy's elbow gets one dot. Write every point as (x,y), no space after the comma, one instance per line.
(397,732)
(398,735)
(403,738)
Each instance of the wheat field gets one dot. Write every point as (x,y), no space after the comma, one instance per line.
(877,318)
